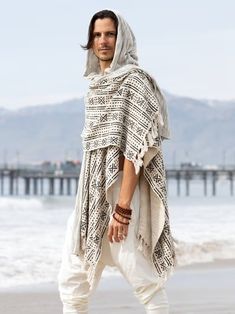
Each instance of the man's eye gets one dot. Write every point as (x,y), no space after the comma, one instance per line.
(111,34)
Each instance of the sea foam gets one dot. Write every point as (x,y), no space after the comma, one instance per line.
(33,229)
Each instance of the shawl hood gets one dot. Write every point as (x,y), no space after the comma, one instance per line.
(124,61)
(125,51)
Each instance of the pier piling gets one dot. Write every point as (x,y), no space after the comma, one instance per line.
(35,182)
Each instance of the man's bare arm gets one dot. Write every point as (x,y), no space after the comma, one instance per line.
(128,185)
(129,182)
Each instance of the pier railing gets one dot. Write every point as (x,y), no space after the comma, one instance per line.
(206,176)
(24,181)
(37,182)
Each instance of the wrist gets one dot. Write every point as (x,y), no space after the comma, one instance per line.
(123,204)
(122,218)
(124,212)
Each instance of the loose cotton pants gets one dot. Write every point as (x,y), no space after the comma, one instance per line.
(74,287)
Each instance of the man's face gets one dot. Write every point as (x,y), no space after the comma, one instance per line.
(104,40)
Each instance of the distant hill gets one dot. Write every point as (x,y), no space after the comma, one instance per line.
(202,131)
(45,132)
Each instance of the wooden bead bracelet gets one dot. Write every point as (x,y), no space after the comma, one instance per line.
(123,211)
(121,222)
(123,216)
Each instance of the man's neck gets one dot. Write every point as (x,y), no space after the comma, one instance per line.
(104,65)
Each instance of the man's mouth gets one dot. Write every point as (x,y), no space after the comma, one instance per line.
(104,49)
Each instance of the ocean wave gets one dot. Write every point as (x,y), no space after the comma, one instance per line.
(40,267)
(209,251)
(33,229)
(23,203)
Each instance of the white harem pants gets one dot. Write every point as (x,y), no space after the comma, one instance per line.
(74,287)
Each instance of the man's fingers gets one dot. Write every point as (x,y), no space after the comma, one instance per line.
(115,234)
(117,231)
(125,231)
(110,233)
(120,232)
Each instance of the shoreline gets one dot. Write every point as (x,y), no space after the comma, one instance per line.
(204,266)
(197,288)
(217,263)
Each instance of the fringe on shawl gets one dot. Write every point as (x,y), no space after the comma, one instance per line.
(147,252)
(151,134)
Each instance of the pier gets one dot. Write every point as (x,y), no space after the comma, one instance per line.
(208,177)
(37,183)
(23,181)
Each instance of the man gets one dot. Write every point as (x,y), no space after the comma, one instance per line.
(121,216)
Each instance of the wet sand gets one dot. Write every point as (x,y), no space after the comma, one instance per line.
(200,288)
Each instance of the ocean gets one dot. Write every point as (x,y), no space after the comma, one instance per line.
(32,232)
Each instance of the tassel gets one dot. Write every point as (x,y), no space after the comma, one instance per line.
(150,138)
(143,149)
(155,130)
(143,247)
(138,164)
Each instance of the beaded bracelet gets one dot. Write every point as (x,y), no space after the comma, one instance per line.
(121,222)
(123,216)
(123,211)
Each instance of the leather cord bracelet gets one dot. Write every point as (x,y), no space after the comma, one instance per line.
(121,222)
(123,216)
(123,211)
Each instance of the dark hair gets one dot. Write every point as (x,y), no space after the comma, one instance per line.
(99,15)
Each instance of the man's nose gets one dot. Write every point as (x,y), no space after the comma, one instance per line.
(103,38)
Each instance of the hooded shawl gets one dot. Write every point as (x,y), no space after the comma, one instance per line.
(126,115)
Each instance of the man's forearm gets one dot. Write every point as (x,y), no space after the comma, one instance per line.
(129,182)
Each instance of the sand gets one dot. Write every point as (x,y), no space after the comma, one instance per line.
(202,288)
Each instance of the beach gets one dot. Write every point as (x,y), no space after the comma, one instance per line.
(207,288)
(32,236)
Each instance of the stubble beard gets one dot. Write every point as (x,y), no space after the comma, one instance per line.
(105,59)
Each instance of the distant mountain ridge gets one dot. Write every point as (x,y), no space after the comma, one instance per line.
(201,131)
(204,133)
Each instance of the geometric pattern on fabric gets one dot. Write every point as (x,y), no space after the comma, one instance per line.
(122,117)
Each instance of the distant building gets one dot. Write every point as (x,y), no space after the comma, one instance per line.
(190,165)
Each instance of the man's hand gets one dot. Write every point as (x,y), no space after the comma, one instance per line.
(117,231)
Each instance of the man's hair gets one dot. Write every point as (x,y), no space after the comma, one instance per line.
(99,15)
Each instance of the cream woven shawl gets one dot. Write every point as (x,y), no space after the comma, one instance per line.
(125,114)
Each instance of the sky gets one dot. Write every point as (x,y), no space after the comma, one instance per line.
(188,46)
